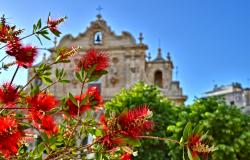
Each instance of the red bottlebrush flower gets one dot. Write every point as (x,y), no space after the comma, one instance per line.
(193,141)
(73,109)
(111,141)
(36,116)
(26,56)
(126,156)
(134,122)
(104,123)
(53,23)
(48,125)
(6,32)
(197,147)
(95,97)
(94,57)
(8,94)
(10,136)
(14,46)
(42,102)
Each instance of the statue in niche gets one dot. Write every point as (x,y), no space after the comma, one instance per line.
(113,71)
(134,71)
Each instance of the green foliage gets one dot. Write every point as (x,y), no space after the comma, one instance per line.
(163,115)
(229,127)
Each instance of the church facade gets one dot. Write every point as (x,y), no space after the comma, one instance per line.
(128,63)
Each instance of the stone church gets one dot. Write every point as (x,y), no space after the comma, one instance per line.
(129,63)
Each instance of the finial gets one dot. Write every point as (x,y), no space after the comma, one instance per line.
(176,72)
(149,56)
(159,52)
(99,9)
(55,42)
(44,56)
(141,38)
(168,56)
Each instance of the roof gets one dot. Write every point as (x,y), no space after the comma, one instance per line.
(159,57)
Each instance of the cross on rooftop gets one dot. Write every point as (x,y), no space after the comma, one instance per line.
(99,9)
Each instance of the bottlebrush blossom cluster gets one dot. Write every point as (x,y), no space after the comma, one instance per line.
(7,32)
(8,94)
(10,136)
(95,99)
(24,55)
(53,23)
(73,108)
(92,99)
(39,105)
(198,147)
(94,57)
(42,102)
(126,156)
(135,121)
(132,124)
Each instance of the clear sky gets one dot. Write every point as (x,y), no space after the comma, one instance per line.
(209,40)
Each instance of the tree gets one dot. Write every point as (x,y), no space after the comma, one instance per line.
(164,114)
(229,127)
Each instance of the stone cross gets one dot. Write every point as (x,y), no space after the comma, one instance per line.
(99,9)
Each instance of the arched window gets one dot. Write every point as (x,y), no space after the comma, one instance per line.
(98,37)
(158,78)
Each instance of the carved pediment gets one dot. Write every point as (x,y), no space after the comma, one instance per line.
(110,39)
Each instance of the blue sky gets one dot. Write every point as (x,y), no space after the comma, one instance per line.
(209,40)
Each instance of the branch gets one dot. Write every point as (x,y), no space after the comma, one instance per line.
(159,138)
(14,75)
(49,86)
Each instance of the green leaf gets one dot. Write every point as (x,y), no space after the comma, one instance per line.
(45,36)
(39,39)
(189,154)
(102,72)
(62,73)
(204,136)
(198,129)
(187,131)
(34,28)
(44,137)
(22,149)
(90,71)
(64,61)
(98,132)
(84,100)
(72,98)
(183,153)
(39,24)
(57,73)
(54,110)
(38,151)
(46,80)
(133,142)
(64,81)
(24,125)
(78,76)
(56,33)
(94,78)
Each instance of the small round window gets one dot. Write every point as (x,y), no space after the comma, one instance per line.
(98,38)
